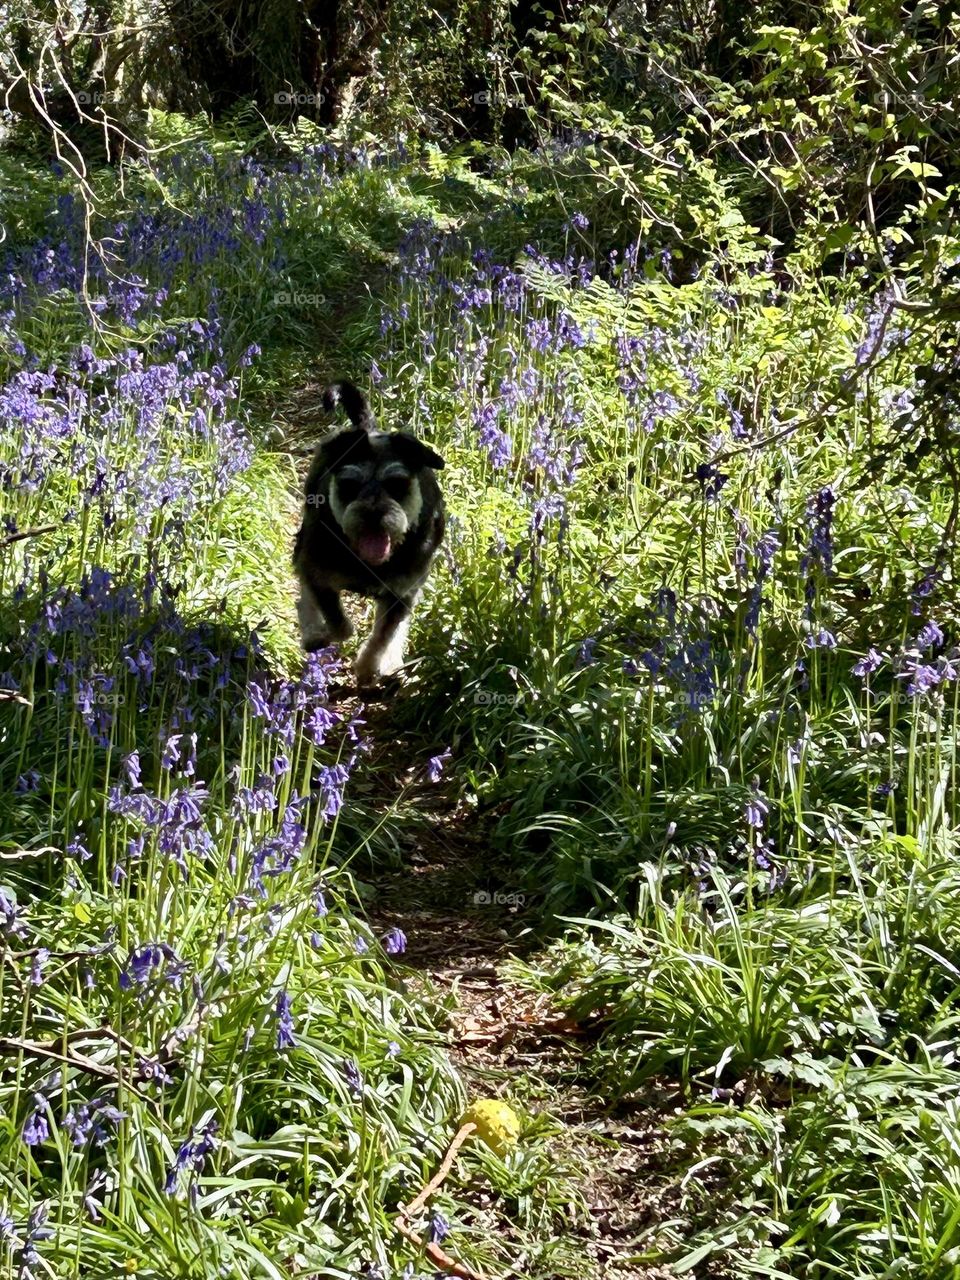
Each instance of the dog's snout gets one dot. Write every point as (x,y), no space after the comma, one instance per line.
(373,514)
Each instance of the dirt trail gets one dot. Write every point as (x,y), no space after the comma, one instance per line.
(445,893)
(504,1039)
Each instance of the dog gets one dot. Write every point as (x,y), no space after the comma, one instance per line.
(373,520)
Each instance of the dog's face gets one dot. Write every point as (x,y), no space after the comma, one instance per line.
(375,488)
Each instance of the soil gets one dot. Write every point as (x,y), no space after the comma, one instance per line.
(463,932)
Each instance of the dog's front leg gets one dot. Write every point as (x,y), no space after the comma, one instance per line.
(382,651)
(322,619)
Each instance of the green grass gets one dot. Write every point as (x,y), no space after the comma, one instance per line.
(627,666)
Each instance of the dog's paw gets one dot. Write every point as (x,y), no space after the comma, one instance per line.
(317,632)
(366,669)
(314,640)
(321,637)
(372,666)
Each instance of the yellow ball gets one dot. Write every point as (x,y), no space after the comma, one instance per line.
(497,1125)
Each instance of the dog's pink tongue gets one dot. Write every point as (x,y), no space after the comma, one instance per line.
(374,548)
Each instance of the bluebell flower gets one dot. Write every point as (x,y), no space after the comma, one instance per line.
(711,479)
(77,849)
(351,1073)
(822,639)
(153,959)
(171,751)
(438,1228)
(929,637)
(819,515)
(395,942)
(28,1256)
(37,1127)
(87,1121)
(756,810)
(285,1023)
(435,765)
(41,956)
(586,653)
(866,665)
(191,1155)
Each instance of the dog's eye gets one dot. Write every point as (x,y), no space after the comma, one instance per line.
(397,487)
(347,490)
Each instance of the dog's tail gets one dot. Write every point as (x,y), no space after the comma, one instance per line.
(354,403)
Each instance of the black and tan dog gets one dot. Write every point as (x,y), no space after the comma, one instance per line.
(372,522)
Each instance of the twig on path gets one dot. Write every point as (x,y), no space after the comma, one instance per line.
(432,1250)
(436,1254)
(446,1164)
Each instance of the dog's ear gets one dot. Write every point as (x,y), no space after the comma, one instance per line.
(344,446)
(414,453)
(333,452)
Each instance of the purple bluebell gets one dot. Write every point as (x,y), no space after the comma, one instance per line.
(285,1023)
(711,479)
(866,665)
(351,1073)
(756,810)
(929,637)
(171,751)
(331,780)
(36,1129)
(394,942)
(40,958)
(191,1155)
(924,588)
(156,959)
(819,517)
(93,1206)
(586,653)
(921,677)
(86,1121)
(435,765)
(438,1228)
(28,1257)
(822,639)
